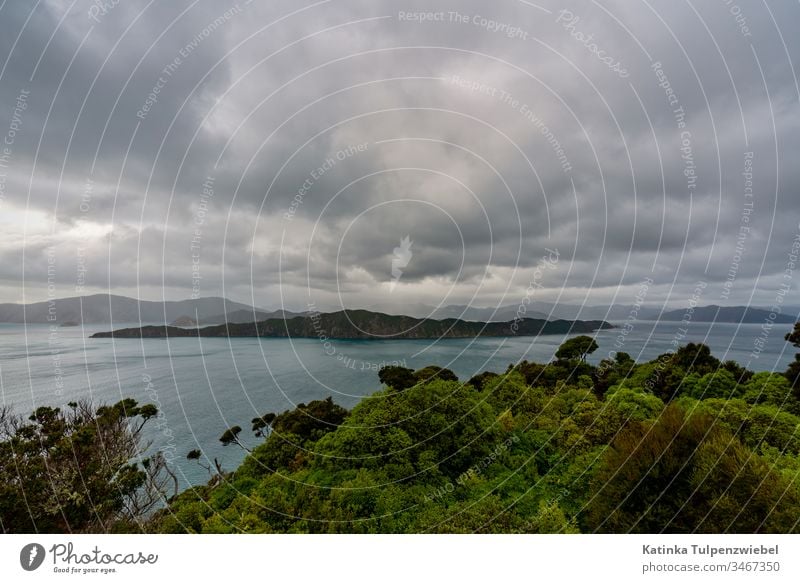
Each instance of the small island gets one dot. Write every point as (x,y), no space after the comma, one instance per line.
(366,325)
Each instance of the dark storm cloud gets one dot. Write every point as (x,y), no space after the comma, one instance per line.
(285,151)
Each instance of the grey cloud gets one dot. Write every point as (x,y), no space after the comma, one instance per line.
(251,104)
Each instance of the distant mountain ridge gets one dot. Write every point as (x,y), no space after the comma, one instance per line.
(551,311)
(106,308)
(504,313)
(366,325)
(497,314)
(247,316)
(109,308)
(730,315)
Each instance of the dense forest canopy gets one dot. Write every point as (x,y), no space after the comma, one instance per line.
(684,443)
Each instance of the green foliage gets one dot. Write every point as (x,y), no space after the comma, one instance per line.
(612,371)
(634,404)
(695,358)
(552,374)
(231,435)
(430,373)
(79,470)
(479,380)
(683,443)
(576,348)
(766,387)
(793,337)
(397,377)
(673,375)
(793,371)
(717,384)
(262,425)
(755,425)
(683,474)
(455,429)
(531,371)
(310,421)
(793,375)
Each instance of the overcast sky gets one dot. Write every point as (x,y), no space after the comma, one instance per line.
(279,153)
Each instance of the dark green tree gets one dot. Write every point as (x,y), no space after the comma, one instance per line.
(196,455)
(793,376)
(397,377)
(576,348)
(433,372)
(532,371)
(231,435)
(611,371)
(794,336)
(262,425)
(479,380)
(793,371)
(695,358)
(310,421)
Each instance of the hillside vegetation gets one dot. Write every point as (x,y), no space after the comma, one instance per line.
(684,443)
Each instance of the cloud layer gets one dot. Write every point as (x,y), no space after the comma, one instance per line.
(279,154)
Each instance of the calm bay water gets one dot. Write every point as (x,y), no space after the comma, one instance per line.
(202,386)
